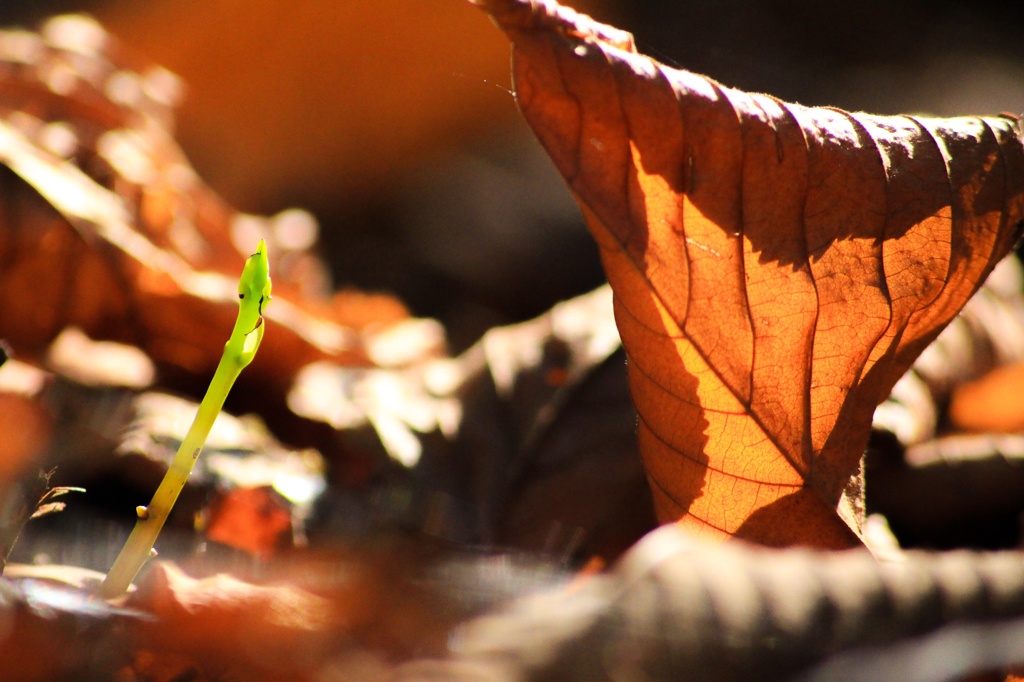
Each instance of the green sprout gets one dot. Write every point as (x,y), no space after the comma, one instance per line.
(253,294)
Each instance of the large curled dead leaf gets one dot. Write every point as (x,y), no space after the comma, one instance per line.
(776,267)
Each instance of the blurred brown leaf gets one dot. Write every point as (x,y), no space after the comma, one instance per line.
(255,520)
(25,424)
(991,403)
(675,608)
(526,440)
(269,627)
(364,88)
(106,227)
(987,335)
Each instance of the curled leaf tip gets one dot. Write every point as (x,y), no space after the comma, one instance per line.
(513,16)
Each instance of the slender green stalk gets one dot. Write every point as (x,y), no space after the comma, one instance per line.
(253,294)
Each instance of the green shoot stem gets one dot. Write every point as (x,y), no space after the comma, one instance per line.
(253,293)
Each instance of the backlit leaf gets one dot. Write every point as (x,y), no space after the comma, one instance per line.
(776,267)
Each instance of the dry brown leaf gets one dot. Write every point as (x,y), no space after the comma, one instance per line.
(126,229)
(25,424)
(281,91)
(53,631)
(991,403)
(269,628)
(776,268)
(677,609)
(106,226)
(254,520)
(507,445)
(987,334)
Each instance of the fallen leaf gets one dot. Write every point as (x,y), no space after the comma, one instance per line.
(676,608)
(987,334)
(991,403)
(254,520)
(107,227)
(54,631)
(315,109)
(110,228)
(776,268)
(267,627)
(24,421)
(548,431)
(507,445)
